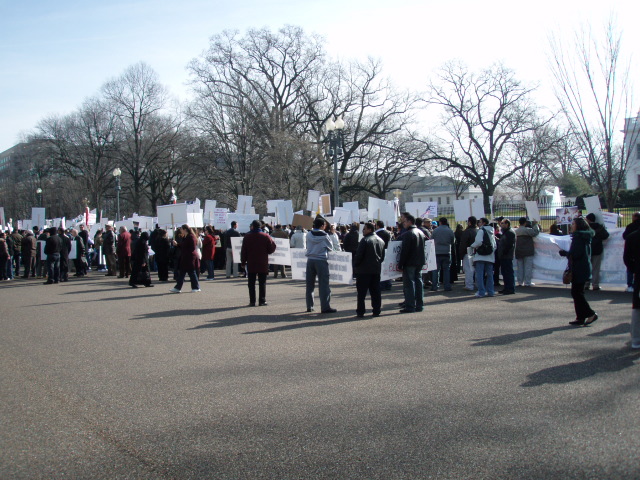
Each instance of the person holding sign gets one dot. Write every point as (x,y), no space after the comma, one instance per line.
(525,250)
(412,258)
(367,264)
(256,248)
(318,247)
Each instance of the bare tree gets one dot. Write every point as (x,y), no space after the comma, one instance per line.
(484,115)
(592,86)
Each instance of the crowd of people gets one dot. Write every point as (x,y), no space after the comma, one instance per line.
(483,253)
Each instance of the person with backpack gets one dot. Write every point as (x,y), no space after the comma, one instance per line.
(484,258)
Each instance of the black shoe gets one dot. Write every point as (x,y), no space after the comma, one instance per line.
(591,319)
(504,292)
(49,282)
(406,310)
(263,304)
(402,304)
(149,285)
(578,322)
(310,309)
(252,304)
(375,314)
(329,310)
(55,281)
(360,315)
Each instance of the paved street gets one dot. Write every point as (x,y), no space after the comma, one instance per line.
(100,380)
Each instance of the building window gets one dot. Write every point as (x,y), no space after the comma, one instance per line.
(638,151)
(462,197)
(431,199)
(448,200)
(439,200)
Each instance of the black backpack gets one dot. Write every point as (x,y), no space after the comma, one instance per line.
(486,248)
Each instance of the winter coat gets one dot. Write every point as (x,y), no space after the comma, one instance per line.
(369,256)
(631,259)
(444,238)
(351,241)
(580,255)
(109,242)
(209,247)
(600,234)
(256,248)
(189,260)
(319,245)
(412,254)
(466,239)
(524,241)
(507,245)
(491,258)
(298,239)
(29,245)
(124,244)
(384,235)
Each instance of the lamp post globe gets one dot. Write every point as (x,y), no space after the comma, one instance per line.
(116,173)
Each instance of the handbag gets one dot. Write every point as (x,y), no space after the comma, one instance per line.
(567,276)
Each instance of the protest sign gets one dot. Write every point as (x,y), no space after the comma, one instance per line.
(565,215)
(342,216)
(220,217)
(610,220)
(390,268)
(340,268)
(303,221)
(282,254)
(325,204)
(381,209)
(209,208)
(37,217)
(244,204)
(236,248)
(2,219)
(272,205)
(173,214)
(313,201)
(41,243)
(244,221)
(592,204)
(284,212)
(422,209)
(194,219)
(533,212)
(354,208)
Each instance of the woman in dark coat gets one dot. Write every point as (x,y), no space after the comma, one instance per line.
(189,261)
(579,257)
(162,248)
(140,273)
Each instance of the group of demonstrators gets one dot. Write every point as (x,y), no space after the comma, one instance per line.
(483,252)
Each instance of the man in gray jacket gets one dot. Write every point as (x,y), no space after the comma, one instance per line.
(367,263)
(318,247)
(525,250)
(444,239)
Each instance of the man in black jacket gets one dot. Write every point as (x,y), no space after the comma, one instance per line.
(385,235)
(64,255)
(411,261)
(367,263)
(52,249)
(226,238)
(505,251)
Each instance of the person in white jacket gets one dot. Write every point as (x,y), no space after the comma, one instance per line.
(483,263)
(299,238)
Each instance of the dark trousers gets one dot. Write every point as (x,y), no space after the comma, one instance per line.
(583,310)
(508,277)
(163,269)
(413,288)
(124,262)
(210,269)
(53,267)
(81,268)
(368,283)
(193,277)
(29,264)
(64,268)
(262,287)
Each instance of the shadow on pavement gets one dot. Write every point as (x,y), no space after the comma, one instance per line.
(609,361)
(180,313)
(620,329)
(316,323)
(516,337)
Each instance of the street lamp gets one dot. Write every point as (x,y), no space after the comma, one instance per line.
(174,199)
(335,138)
(116,173)
(39,192)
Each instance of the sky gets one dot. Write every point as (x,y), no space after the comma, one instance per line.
(54,55)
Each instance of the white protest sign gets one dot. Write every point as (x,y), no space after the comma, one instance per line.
(244,204)
(340,268)
(390,268)
(381,209)
(220,217)
(194,219)
(533,212)
(173,214)
(244,221)
(2,219)
(236,248)
(355,210)
(477,207)
(364,215)
(343,216)
(37,217)
(272,205)
(610,220)
(422,209)
(209,208)
(282,254)
(43,256)
(284,212)
(313,201)
(565,215)
(592,204)
(126,223)
(92,218)
(325,204)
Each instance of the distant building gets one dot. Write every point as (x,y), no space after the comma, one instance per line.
(443,190)
(632,147)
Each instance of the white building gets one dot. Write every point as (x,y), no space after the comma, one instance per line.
(442,190)
(632,147)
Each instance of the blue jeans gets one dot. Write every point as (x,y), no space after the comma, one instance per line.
(442,262)
(193,276)
(319,268)
(413,288)
(210,271)
(53,267)
(484,278)
(506,266)
(10,268)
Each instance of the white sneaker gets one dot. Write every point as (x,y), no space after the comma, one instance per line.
(629,290)
(196,290)
(174,290)
(477,295)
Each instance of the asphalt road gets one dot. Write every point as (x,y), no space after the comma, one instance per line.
(99,380)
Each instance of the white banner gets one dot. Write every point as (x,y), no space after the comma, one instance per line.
(340,268)
(236,248)
(37,217)
(313,201)
(244,204)
(390,268)
(220,217)
(422,209)
(244,221)
(209,210)
(282,255)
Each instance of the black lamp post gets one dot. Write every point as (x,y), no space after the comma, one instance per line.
(39,192)
(335,137)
